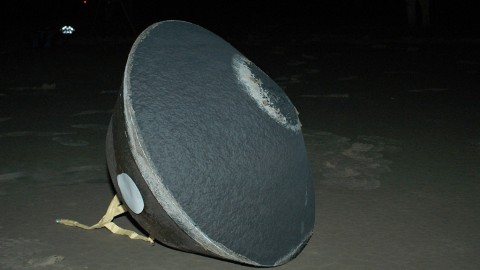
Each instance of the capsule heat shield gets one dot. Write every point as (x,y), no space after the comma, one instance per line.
(207,151)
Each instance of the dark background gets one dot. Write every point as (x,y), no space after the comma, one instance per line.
(99,18)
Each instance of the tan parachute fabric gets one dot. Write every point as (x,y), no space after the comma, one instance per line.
(114,209)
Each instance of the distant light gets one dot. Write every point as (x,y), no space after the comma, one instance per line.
(84,2)
(67,30)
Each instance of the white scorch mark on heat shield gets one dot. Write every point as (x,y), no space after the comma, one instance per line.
(254,88)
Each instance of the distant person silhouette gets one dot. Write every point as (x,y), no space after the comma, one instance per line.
(44,28)
(43,38)
(413,16)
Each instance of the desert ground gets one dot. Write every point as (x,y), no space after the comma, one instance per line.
(391,125)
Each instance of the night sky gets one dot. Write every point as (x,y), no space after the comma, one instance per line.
(128,17)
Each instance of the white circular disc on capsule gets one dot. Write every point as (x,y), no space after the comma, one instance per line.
(130,193)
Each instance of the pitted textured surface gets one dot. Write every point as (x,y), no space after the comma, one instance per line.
(240,176)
